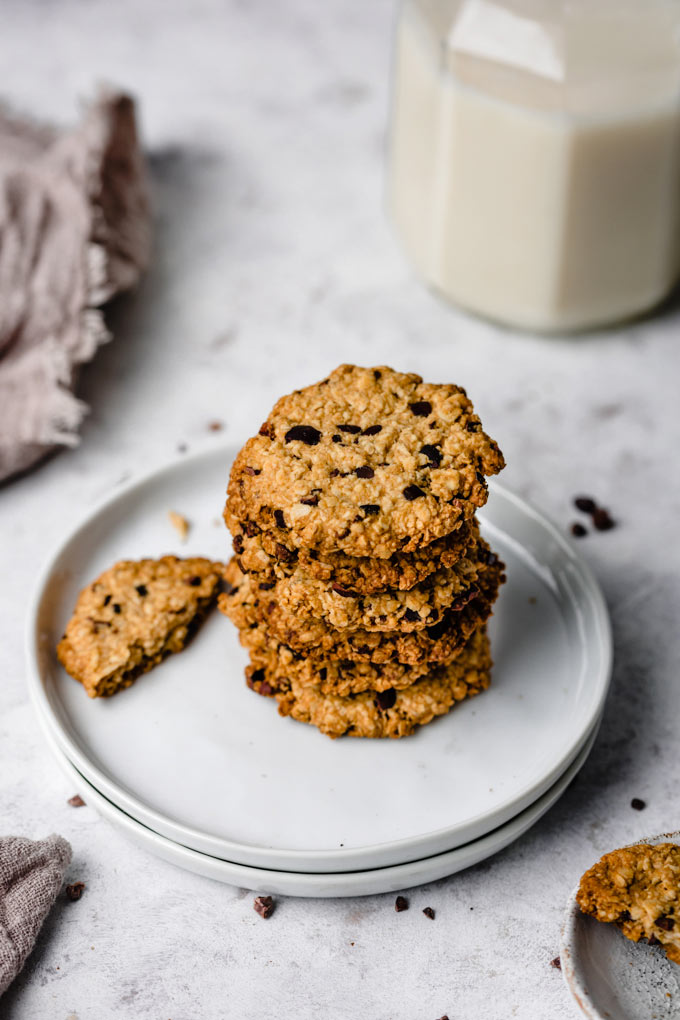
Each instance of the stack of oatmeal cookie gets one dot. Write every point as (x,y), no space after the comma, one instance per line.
(361,584)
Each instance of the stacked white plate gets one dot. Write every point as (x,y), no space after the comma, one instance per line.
(201,771)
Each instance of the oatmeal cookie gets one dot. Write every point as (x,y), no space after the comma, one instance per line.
(273,666)
(404,611)
(638,888)
(266,552)
(246,606)
(132,616)
(368,462)
(390,712)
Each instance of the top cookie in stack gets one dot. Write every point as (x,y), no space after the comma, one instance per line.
(353,513)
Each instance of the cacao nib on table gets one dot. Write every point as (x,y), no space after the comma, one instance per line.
(74,891)
(264,906)
(602,520)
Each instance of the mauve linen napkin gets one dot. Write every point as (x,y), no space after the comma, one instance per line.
(31,875)
(75,229)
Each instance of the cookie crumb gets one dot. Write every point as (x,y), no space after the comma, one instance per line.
(76,801)
(429,912)
(445,1017)
(216,426)
(180,524)
(556,963)
(637,804)
(585,504)
(577,530)
(75,891)
(401,903)
(264,906)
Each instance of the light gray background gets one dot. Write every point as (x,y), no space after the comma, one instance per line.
(265,123)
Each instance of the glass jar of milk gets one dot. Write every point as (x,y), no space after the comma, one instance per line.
(534,171)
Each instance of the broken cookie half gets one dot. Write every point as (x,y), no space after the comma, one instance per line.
(637,888)
(133,616)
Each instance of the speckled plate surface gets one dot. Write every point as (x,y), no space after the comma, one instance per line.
(612,978)
(358,883)
(194,755)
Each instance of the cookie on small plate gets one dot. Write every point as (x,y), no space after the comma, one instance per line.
(638,889)
(267,552)
(275,665)
(247,606)
(403,611)
(133,616)
(389,713)
(369,462)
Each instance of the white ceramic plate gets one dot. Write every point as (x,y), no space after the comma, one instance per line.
(612,978)
(193,754)
(358,883)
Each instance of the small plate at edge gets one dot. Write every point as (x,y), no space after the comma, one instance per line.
(611,977)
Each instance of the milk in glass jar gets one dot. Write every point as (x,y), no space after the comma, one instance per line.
(534,166)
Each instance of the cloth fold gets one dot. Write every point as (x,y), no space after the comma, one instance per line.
(31,875)
(75,229)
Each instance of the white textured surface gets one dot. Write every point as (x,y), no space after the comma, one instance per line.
(274,263)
